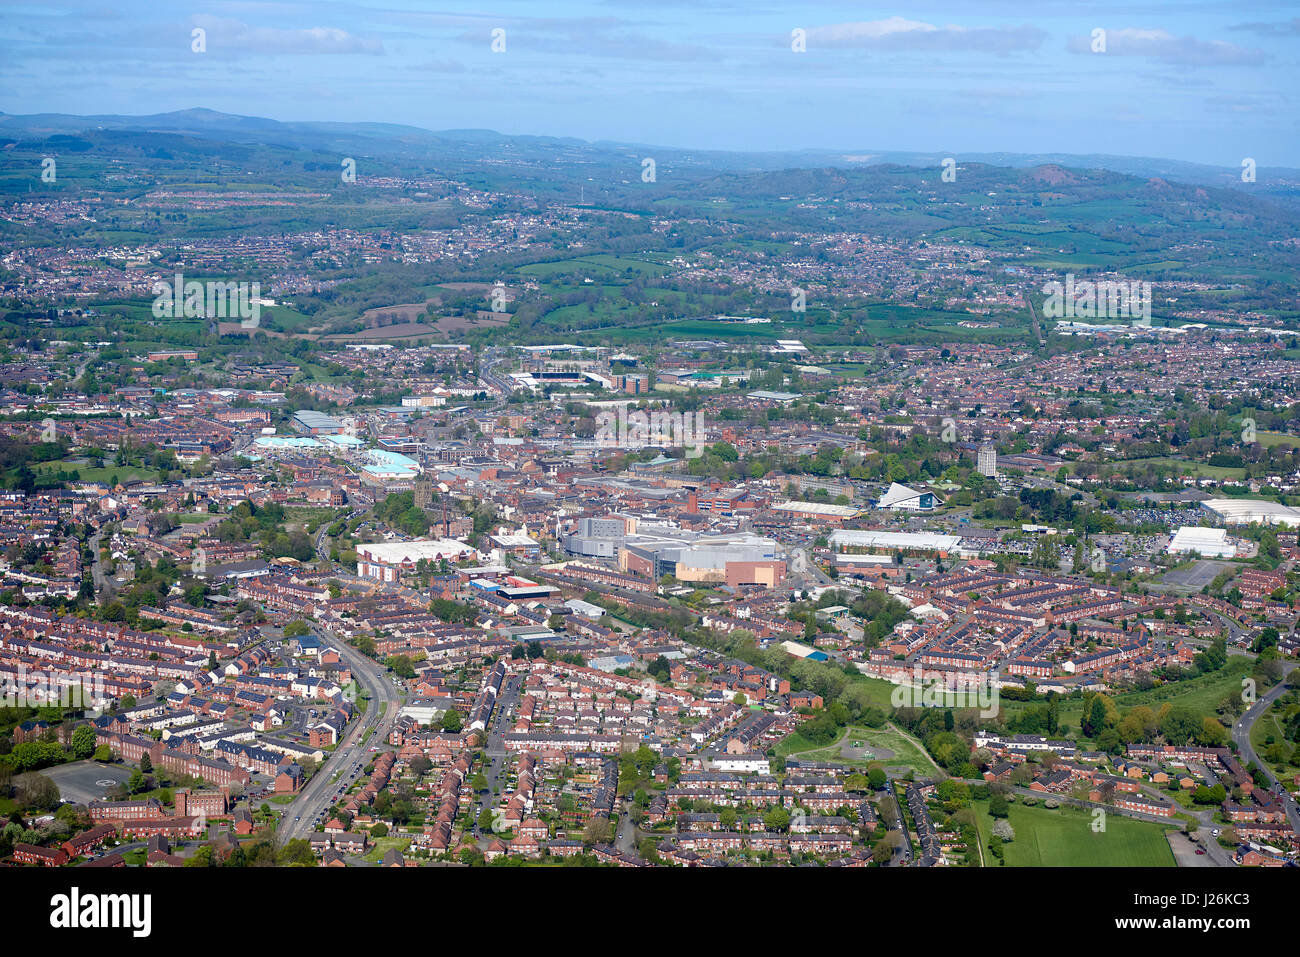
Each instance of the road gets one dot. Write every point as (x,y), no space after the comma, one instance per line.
(495,750)
(97,565)
(1246,751)
(322,791)
(339,516)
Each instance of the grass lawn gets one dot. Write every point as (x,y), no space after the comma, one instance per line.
(105,474)
(1270,439)
(382,846)
(905,753)
(191,518)
(1270,725)
(1200,469)
(1201,694)
(1065,838)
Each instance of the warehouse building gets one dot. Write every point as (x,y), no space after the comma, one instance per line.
(311,422)
(1246,511)
(388,561)
(1206,542)
(735,560)
(891,542)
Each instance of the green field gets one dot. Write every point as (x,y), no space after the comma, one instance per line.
(1065,838)
(1201,694)
(1270,439)
(905,753)
(1200,469)
(600,266)
(1268,736)
(105,474)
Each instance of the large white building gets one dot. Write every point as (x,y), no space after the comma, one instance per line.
(1251,511)
(894,541)
(388,561)
(901,497)
(1206,542)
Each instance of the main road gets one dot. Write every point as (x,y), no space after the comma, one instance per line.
(324,790)
(1241,735)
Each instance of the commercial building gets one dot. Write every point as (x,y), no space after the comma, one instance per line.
(817,511)
(731,559)
(388,561)
(1247,511)
(311,422)
(901,497)
(1206,542)
(890,542)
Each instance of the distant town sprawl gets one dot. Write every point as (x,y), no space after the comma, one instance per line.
(894,607)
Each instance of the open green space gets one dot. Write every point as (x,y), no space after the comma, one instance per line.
(1064,837)
(887,746)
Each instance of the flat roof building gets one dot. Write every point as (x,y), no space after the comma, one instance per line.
(388,561)
(311,422)
(1248,511)
(1206,542)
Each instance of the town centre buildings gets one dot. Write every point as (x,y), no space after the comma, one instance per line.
(388,561)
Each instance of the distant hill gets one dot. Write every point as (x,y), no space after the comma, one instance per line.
(396,140)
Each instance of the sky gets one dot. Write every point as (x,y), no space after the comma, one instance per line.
(1183,79)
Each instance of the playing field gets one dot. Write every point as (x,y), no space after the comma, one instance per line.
(859,747)
(1065,838)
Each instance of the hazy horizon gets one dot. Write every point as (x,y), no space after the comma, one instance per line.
(1186,81)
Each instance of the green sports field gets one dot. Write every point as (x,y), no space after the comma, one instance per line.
(1065,838)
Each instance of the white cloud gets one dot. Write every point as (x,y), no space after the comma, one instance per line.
(235,36)
(1164,46)
(898,33)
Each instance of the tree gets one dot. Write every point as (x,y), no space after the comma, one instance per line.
(37,792)
(883,851)
(598,831)
(1213,734)
(1094,720)
(998,804)
(1180,724)
(83,742)
(776,819)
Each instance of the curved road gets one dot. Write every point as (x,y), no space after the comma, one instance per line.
(1241,735)
(322,791)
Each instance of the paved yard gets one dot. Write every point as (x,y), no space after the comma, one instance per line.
(84,781)
(1185,851)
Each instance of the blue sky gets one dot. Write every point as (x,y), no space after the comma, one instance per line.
(1207,82)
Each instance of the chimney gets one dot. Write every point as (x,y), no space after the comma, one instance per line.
(693,502)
